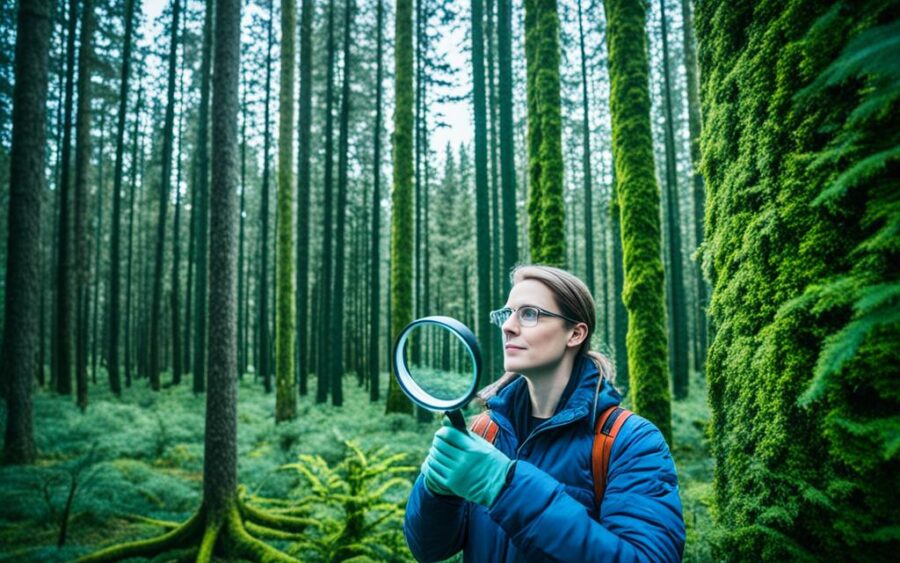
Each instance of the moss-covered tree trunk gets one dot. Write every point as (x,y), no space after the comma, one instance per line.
(137,141)
(26,185)
(304,126)
(285,398)
(546,209)
(638,201)
(401,194)
(799,148)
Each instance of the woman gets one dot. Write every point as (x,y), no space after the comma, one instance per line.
(530,494)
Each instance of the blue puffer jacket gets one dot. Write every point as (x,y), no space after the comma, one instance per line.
(547,511)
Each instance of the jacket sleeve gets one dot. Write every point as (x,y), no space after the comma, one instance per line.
(434,525)
(640,516)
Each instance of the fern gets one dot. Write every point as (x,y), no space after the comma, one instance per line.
(359,505)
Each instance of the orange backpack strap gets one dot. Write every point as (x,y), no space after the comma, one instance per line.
(608,426)
(484,426)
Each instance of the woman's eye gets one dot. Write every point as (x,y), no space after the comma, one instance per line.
(529,314)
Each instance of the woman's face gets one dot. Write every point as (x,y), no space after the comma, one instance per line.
(536,349)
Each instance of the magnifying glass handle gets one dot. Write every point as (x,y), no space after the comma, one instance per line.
(457,419)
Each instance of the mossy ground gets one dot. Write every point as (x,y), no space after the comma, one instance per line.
(147,461)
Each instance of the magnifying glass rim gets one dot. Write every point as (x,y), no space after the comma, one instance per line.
(412,389)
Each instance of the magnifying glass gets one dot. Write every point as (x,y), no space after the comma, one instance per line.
(437,362)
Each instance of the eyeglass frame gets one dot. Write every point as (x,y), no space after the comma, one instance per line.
(540,310)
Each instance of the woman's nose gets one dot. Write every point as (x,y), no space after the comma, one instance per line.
(510,325)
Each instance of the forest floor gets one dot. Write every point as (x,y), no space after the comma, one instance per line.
(138,460)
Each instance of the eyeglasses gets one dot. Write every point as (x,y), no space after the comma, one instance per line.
(528,315)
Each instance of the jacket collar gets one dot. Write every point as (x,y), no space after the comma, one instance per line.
(512,405)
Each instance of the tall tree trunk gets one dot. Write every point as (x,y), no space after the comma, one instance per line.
(98,234)
(64,278)
(507,144)
(137,141)
(695,126)
(338,368)
(304,118)
(587,175)
(265,369)
(201,234)
(243,279)
(401,197)
(638,200)
(482,225)
(375,253)
(165,181)
(82,173)
(115,243)
(26,183)
(678,329)
(492,102)
(324,369)
(220,445)
(546,209)
(176,232)
(285,398)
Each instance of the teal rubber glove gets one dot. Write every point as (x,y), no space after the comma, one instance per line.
(466,465)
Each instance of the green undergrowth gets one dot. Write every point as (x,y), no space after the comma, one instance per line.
(138,460)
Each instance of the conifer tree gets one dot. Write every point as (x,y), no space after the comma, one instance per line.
(304,117)
(507,143)
(155,364)
(678,330)
(401,195)
(64,298)
(337,315)
(482,231)
(26,185)
(115,259)
(82,172)
(285,398)
(638,201)
(375,258)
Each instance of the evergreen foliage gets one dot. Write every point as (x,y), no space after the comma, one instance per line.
(800,154)
(638,202)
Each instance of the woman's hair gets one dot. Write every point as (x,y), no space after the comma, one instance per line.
(574,300)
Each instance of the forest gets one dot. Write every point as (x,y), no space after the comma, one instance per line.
(218,215)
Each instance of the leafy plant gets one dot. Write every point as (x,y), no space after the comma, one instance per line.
(361,504)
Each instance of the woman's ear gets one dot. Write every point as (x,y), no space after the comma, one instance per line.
(579,334)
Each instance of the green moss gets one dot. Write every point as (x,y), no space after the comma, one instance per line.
(638,202)
(401,195)
(800,103)
(546,210)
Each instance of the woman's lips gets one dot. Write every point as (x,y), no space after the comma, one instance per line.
(513,347)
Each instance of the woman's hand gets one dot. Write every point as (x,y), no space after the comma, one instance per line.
(466,465)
